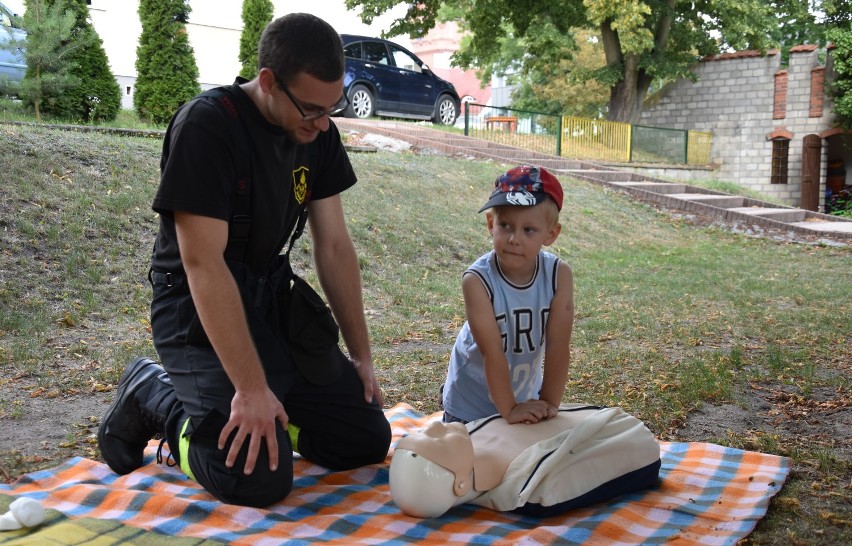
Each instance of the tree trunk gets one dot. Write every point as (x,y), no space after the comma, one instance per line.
(626,96)
(37,97)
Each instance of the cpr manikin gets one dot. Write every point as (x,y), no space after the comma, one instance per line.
(583,455)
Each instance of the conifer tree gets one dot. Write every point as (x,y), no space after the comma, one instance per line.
(94,94)
(167,75)
(256,15)
(49,43)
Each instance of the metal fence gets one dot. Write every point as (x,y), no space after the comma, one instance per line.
(698,146)
(588,139)
(596,139)
(533,131)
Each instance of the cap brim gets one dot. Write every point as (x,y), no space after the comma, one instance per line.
(527,199)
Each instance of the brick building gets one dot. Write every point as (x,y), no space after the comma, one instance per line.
(773,128)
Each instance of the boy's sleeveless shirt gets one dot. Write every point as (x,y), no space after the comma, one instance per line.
(521,313)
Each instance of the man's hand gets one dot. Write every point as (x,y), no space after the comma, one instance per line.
(253,416)
(368,378)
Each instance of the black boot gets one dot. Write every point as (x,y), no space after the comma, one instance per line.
(144,399)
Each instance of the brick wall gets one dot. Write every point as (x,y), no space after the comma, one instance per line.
(743,98)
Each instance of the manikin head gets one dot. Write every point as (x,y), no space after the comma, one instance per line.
(432,471)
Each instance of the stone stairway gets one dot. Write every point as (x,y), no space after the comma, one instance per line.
(674,195)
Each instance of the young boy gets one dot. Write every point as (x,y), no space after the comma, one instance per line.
(516,297)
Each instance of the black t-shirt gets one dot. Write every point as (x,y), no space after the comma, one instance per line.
(201,167)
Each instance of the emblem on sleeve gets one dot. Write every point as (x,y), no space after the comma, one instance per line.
(300,183)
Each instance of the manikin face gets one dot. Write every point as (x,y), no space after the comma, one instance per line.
(440,443)
(518,233)
(432,470)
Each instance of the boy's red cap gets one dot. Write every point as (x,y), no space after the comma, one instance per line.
(525,186)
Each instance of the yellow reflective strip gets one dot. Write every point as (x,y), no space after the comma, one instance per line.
(293,432)
(183,449)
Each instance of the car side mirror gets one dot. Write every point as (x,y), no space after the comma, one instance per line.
(424,67)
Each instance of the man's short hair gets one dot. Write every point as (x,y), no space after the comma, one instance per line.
(301,42)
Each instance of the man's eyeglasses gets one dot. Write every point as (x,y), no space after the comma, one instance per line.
(341,105)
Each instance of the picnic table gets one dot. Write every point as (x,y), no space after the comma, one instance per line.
(503,122)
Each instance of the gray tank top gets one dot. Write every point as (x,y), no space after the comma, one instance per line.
(521,313)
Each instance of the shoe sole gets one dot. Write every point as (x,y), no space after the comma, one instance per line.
(126,379)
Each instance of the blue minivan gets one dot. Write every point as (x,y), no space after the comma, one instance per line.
(385,79)
(12,64)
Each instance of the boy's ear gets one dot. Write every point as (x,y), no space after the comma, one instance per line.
(553,234)
(489,219)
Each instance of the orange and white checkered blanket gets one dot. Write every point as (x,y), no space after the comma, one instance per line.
(708,494)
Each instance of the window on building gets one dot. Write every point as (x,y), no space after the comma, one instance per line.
(780,153)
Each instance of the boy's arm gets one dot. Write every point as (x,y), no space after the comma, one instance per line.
(560,324)
(483,327)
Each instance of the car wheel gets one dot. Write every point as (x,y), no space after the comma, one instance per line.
(360,103)
(446,111)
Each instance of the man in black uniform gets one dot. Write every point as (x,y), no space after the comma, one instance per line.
(243,382)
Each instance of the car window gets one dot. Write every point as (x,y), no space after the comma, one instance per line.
(353,51)
(404,60)
(5,20)
(376,52)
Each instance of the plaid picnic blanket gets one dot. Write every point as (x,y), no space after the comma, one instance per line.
(708,494)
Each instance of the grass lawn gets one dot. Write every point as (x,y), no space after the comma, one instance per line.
(671,317)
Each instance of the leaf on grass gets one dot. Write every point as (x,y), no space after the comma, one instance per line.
(67,320)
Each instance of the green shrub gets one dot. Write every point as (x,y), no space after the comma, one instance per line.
(167,75)
(256,15)
(94,94)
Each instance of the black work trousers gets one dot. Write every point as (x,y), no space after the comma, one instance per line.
(337,428)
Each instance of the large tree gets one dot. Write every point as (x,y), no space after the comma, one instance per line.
(796,24)
(94,94)
(563,85)
(256,15)
(166,73)
(643,40)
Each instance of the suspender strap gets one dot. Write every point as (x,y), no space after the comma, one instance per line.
(297,232)
(239,226)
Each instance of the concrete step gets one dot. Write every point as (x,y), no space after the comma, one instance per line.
(780,214)
(721,201)
(656,187)
(815,224)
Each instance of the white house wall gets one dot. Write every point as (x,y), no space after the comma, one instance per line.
(214,30)
(214,33)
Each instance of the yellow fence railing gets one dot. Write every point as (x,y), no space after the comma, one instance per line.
(698,147)
(586,139)
(595,139)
